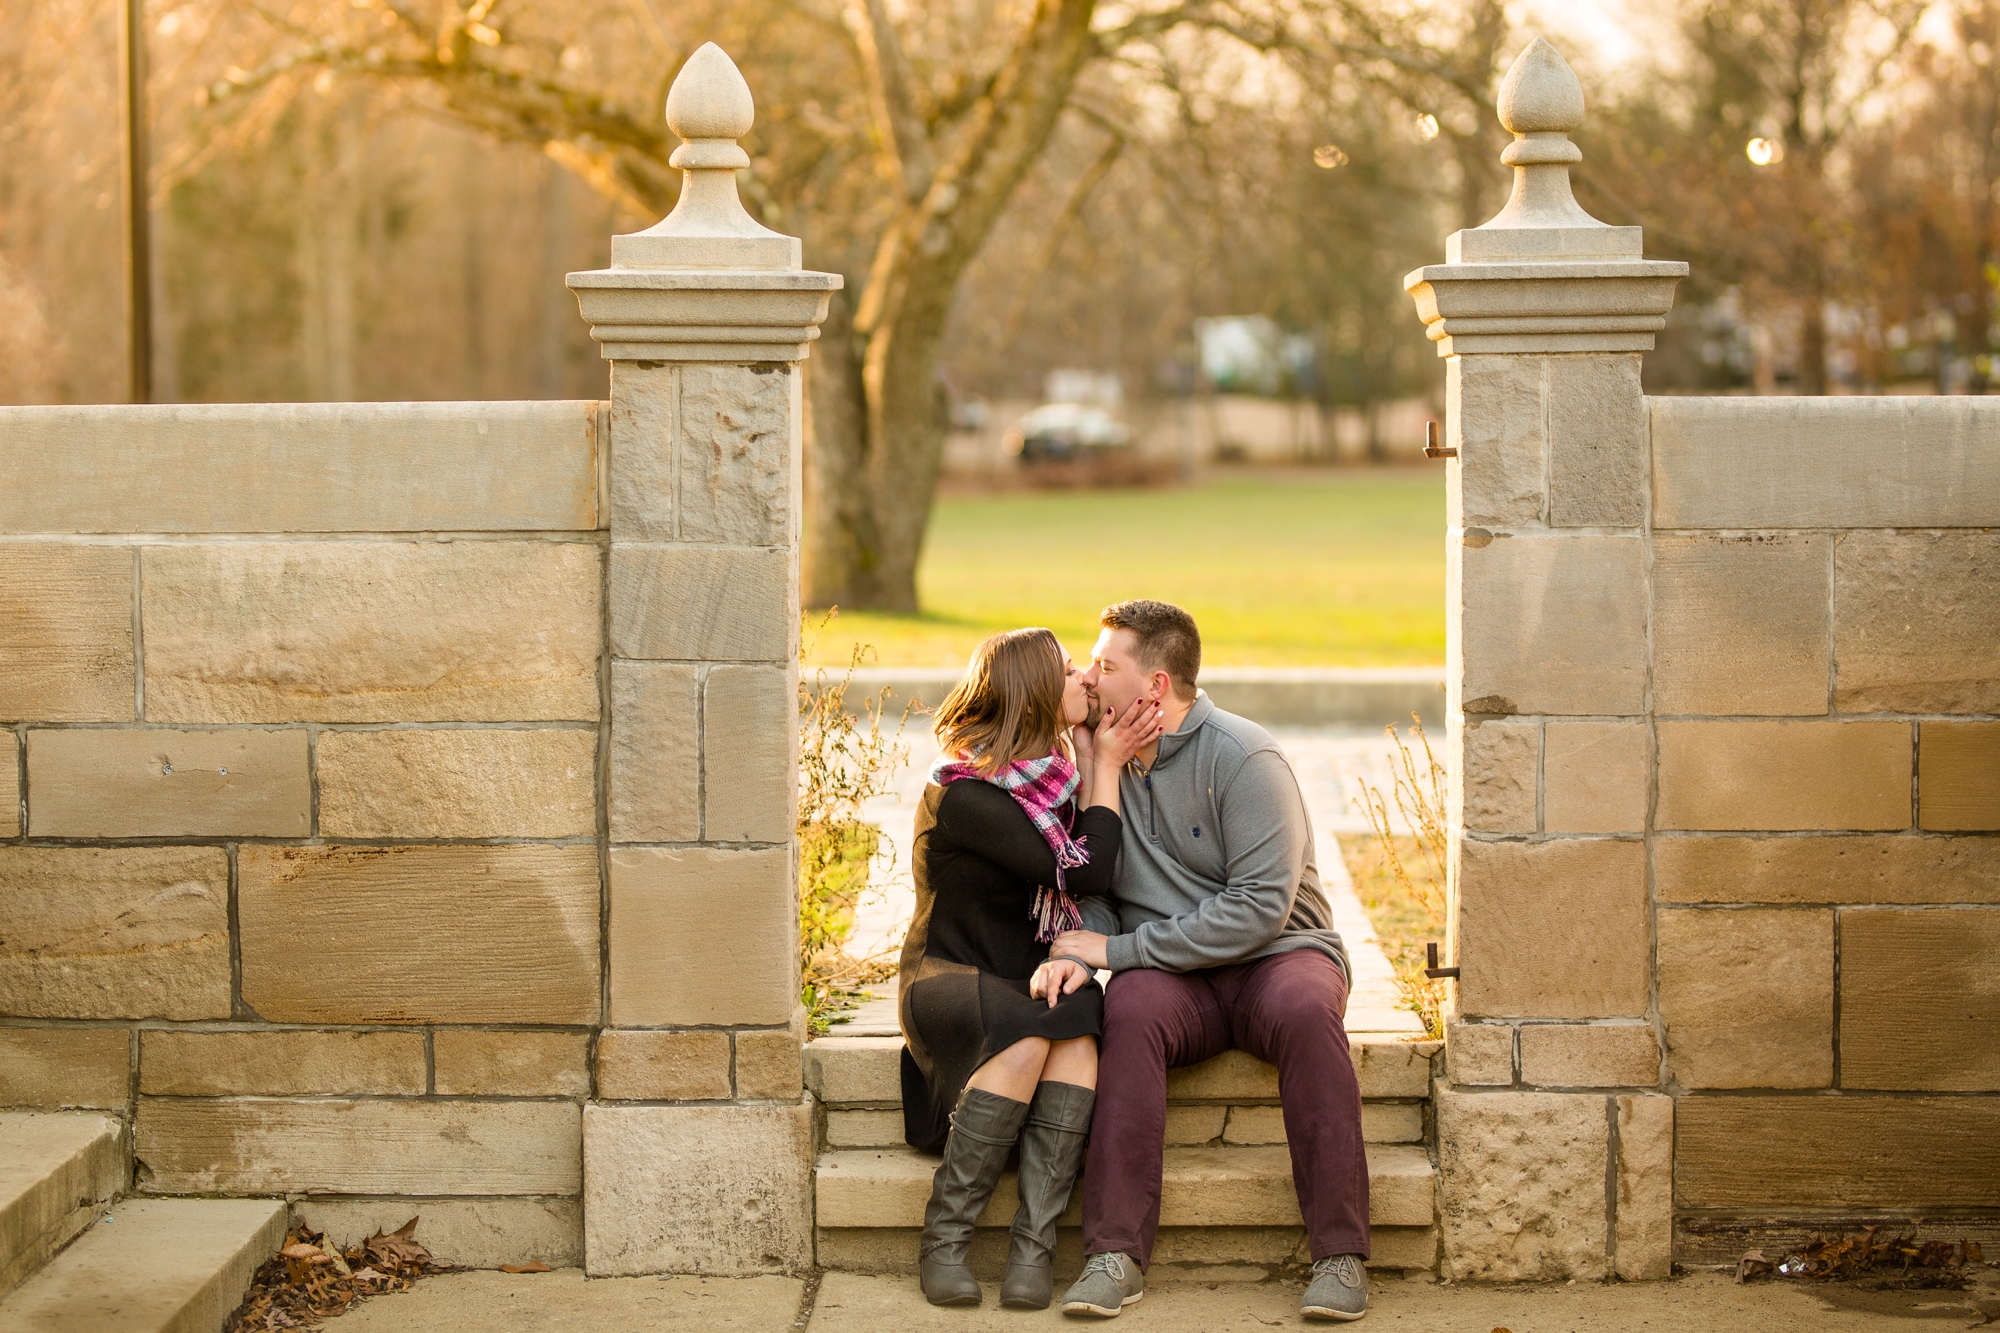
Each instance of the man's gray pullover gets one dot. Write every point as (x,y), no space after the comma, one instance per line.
(1216,866)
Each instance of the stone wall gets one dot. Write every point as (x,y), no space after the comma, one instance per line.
(302,801)
(1722,697)
(396,802)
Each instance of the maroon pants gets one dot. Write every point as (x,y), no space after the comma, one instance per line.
(1286,1009)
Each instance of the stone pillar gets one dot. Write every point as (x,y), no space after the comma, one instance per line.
(1554,1140)
(698,1148)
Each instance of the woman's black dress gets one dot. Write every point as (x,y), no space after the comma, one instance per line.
(971,951)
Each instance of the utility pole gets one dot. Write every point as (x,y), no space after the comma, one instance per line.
(138,196)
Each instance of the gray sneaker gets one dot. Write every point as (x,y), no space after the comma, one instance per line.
(1339,1289)
(1109,1283)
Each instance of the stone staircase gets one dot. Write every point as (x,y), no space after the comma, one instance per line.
(76,1257)
(1227,1208)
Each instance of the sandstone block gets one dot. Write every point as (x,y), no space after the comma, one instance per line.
(703,603)
(472,631)
(131,932)
(1553,930)
(1919,999)
(1494,414)
(539,783)
(1747,997)
(642,463)
(738,463)
(768,1066)
(723,1190)
(662,1066)
(655,752)
(301,467)
(1392,1122)
(849,1070)
(1784,775)
(1392,1068)
(1865,869)
(1479,1054)
(1892,462)
(169,784)
(1597,442)
(1596,777)
(750,717)
(1500,767)
(1554,625)
(280,1064)
(472,1233)
(884,1129)
(473,1062)
(1916,627)
(453,934)
(1186,1125)
(410,1146)
(10,787)
(1740,624)
(1853,1153)
(1645,1188)
(66,633)
(1521,1185)
(1958,776)
(671,908)
(1255,1125)
(65,1067)
(1589,1056)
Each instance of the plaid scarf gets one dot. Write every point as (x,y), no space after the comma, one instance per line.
(1044,788)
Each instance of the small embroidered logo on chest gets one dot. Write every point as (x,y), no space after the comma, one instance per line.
(1197,830)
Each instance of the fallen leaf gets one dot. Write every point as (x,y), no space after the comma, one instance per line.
(303,1251)
(398,1247)
(1752,1264)
(532,1266)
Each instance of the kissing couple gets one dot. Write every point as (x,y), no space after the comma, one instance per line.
(1080,821)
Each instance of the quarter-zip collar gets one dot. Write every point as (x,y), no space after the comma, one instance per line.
(1174,742)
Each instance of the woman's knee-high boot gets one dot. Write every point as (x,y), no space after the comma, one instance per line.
(1051,1151)
(983,1130)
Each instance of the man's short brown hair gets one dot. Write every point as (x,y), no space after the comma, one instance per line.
(1167,639)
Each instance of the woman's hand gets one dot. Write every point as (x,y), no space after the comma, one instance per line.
(1056,978)
(1120,738)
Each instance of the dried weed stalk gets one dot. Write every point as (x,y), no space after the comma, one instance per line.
(844,761)
(1419,795)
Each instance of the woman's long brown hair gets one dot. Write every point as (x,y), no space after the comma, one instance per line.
(1009,707)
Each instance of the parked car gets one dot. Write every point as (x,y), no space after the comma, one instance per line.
(1064,431)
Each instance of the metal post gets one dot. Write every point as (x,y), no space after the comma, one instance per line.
(138,194)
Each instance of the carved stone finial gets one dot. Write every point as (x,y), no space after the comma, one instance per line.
(1540,94)
(1541,102)
(1543,275)
(710,108)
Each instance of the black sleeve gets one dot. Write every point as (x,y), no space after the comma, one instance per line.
(1101,831)
(981,819)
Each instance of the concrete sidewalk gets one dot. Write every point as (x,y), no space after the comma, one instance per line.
(484,1302)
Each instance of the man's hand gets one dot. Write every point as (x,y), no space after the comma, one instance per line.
(1085,944)
(1056,978)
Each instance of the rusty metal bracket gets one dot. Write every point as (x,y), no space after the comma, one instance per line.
(1431,449)
(1431,951)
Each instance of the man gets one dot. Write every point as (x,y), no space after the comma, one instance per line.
(1218,937)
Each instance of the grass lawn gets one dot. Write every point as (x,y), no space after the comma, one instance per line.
(1295,568)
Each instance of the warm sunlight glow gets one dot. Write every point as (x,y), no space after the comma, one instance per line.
(1763,152)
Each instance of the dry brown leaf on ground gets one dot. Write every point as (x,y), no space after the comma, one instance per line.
(311,1280)
(398,1247)
(1752,1264)
(532,1266)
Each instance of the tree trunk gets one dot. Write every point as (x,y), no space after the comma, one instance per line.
(878,359)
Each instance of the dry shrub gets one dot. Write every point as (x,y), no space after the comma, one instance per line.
(1405,874)
(844,762)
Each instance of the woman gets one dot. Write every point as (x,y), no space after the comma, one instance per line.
(1000,1039)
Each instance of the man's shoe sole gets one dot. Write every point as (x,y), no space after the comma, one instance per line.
(1085,1307)
(1324,1312)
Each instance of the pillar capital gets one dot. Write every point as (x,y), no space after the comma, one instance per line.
(1543,275)
(707,282)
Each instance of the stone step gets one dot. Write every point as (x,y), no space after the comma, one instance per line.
(1201,1187)
(156,1266)
(58,1173)
(1225,1212)
(854,1072)
(1187,1125)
